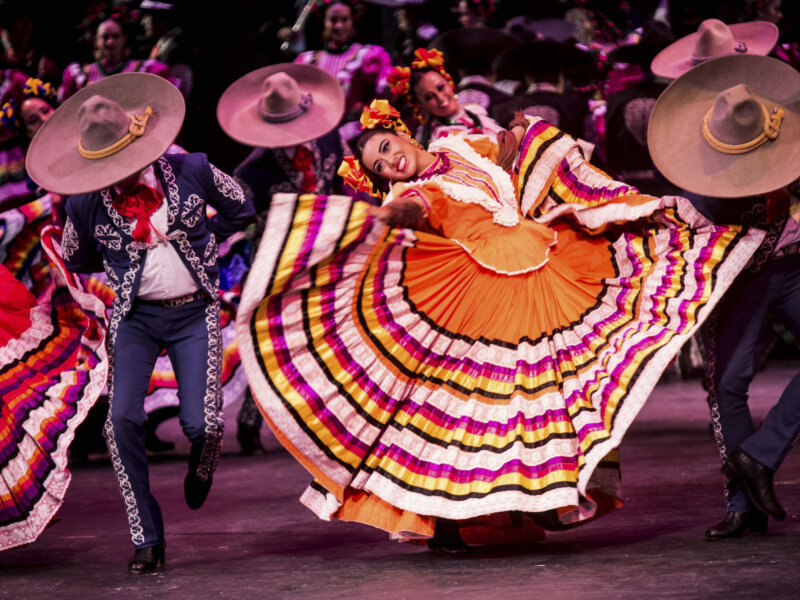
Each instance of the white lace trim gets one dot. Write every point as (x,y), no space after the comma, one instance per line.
(506,213)
(41,327)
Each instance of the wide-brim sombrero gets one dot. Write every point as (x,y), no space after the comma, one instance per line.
(53,160)
(756,37)
(682,154)
(238,108)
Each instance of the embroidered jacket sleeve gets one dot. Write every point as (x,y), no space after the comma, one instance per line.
(234,210)
(78,245)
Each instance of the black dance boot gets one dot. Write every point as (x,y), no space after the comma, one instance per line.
(195,490)
(147,560)
(447,539)
(736,524)
(757,480)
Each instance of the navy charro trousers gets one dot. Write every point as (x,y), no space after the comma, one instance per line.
(733,342)
(190,334)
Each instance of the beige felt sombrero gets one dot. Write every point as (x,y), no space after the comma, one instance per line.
(729,128)
(105,133)
(281,105)
(714,39)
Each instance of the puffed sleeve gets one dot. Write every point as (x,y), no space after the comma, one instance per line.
(72,80)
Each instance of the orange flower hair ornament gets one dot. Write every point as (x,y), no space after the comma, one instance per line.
(378,114)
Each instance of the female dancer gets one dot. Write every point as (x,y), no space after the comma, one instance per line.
(487,362)
(429,89)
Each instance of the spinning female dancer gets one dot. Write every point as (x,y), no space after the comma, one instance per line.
(472,369)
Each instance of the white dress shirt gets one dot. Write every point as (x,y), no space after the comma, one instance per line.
(163,275)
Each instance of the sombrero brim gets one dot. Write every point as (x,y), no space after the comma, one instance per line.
(676,59)
(53,160)
(680,152)
(238,115)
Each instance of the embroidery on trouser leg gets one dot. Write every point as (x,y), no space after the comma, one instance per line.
(212,404)
(711,326)
(128,497)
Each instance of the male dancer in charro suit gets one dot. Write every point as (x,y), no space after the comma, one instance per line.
(141,216)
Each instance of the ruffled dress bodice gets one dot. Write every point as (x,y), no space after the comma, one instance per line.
(472,202)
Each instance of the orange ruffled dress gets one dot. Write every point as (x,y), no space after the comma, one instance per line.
(494,367)
(53,367)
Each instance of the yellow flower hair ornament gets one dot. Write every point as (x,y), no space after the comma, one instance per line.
(356,177)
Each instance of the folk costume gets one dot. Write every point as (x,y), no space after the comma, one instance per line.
(361,69)
(53,367)
(160,253)
(472,118)
(740,125)
(492,366)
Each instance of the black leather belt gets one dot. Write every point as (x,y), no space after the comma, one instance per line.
(173,302)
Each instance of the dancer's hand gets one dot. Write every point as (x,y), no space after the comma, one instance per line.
(401,212)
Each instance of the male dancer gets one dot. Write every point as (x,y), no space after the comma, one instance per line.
(141,216)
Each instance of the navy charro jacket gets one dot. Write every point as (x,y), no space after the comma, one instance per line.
(94,230)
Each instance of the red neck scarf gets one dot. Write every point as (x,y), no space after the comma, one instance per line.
(138,201)
(304,162)
(777,205)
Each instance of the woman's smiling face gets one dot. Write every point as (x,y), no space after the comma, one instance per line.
(436,95)
(390,156)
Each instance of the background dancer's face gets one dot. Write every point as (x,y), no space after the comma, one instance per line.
(110,42)
(390,156)
(339,27)
(436,95)
(33,113)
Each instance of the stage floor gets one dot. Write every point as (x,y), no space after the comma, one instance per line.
(253,539)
